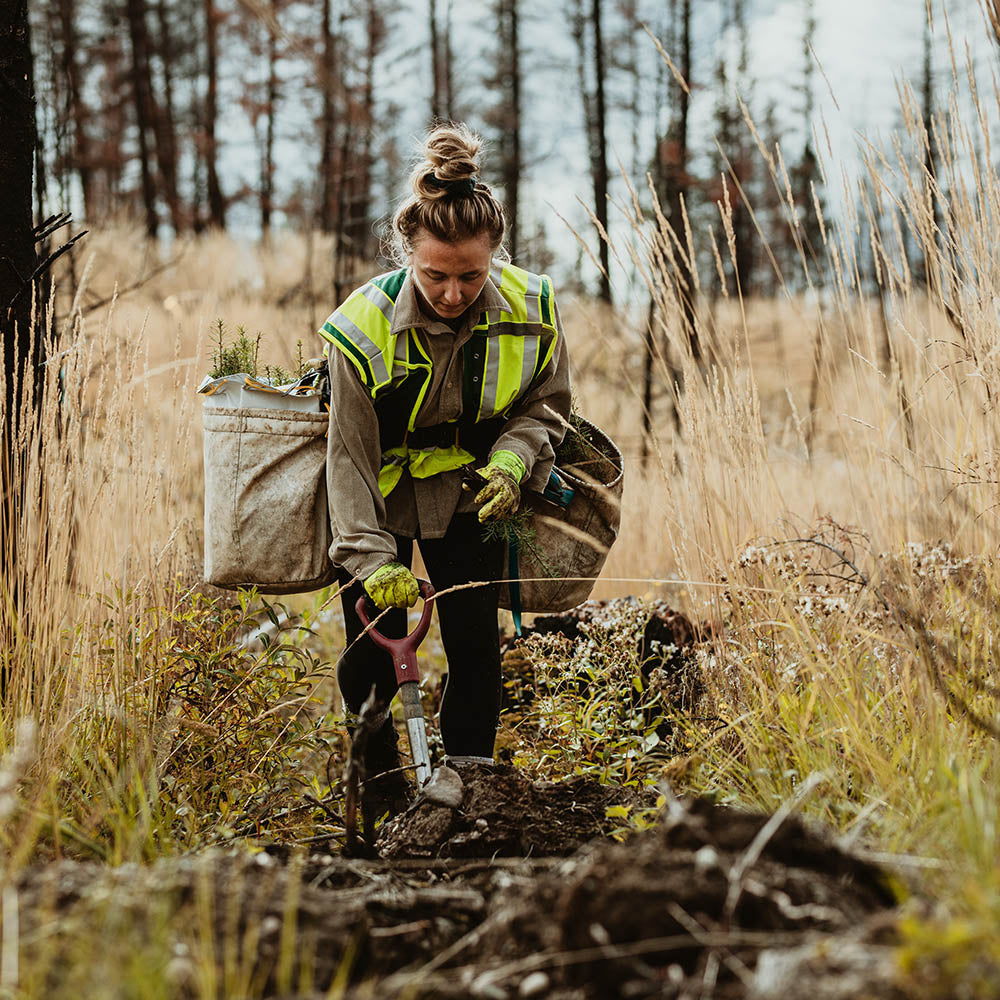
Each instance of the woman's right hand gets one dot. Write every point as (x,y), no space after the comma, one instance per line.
(392,586)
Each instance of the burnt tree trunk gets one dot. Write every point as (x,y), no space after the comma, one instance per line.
(926,268)
(677,180)
(76,109)
(449,84)
(271,102)
(360,229)
(328,121)
(595,119)
(512,165)
(216,203)
(599,156)
(22,351)
(142,98)
(437,76)
(164,121)
(505,116)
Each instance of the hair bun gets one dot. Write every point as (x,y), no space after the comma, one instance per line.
(449,201)
(451,153)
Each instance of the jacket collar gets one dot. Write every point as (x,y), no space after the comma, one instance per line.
(407,312)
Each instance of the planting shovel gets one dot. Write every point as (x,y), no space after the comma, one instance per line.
(404,660)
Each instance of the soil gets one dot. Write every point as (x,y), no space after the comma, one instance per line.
(504,814)
(494,897)
(651,634)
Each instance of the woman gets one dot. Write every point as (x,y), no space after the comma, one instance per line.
(456,362)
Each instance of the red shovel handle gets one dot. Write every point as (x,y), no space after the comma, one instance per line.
(403,651)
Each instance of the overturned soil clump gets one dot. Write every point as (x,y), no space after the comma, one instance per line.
(710,902)
(499,812)
(655,640)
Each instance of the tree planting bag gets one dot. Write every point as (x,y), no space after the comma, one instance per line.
(571,526)
(267,524)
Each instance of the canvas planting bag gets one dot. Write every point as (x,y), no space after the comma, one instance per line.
(266,519)
(571,527)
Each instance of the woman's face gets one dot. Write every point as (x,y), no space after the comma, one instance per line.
(450,276)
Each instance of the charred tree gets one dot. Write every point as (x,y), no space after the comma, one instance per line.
(22,349)
(358,228)
(449,64)
(328,120)
(270,112)
(591,64)
(806,175)
(675,180)
(210,115)
(924,271)
(437,69)
(734,164)
(164,119)
(142,99)
(506,115)
(75,113)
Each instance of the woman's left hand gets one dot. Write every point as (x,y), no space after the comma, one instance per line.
(500,497)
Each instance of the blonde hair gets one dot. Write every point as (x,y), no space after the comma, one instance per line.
(441,204)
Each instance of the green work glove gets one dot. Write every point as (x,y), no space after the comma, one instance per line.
(501,494)
(393,586)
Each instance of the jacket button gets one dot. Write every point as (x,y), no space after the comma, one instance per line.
(475,378)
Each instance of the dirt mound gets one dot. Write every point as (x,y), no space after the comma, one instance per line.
(597,636)
(661,626)
(499,812)
(713,902)
(694,903)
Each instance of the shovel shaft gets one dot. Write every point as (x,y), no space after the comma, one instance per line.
(416,729)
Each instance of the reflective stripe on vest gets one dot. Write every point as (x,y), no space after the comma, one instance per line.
(498,366)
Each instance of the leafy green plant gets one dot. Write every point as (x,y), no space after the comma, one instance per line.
(593,714)
(231,742)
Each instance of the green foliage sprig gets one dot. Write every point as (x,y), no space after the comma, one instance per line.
(242,356)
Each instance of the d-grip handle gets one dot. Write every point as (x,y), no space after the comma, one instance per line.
(403,651)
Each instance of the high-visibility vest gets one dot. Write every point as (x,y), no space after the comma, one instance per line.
(500,361)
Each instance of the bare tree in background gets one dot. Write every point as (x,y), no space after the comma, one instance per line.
(506,115)
(210,116)
(75,112)
(925,267)
(260,98)
(674,180)
(331,85)
(589,37)
(358,225)
(142,99)
(442,99)
(734,158)
(164,117)
(805,175)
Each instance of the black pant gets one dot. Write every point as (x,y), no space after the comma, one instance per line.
(468,619)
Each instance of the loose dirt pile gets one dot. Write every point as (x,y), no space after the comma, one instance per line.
(486,812)
(710,902)
(600,637)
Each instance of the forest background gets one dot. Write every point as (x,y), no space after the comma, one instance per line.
(790,329)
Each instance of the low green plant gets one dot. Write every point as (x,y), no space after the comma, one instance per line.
(593,713)
(230,741)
